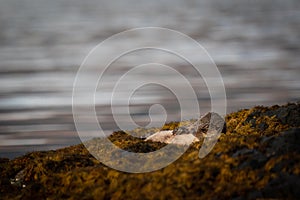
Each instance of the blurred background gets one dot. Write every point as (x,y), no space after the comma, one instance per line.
(255,45)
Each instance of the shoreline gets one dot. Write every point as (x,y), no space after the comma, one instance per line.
(60,138)
(257,157)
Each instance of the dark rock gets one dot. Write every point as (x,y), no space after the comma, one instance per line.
(266,139)
(254,195)
(252,122)
(287,141)
(289,114)
(19,178)
(285,186)
(243,152)
(263,126)
(4,160)
(252,117)
(292,136)
(253,158)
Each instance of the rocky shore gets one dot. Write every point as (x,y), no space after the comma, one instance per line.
(257,157)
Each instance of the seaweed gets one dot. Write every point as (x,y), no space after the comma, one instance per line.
(258,157)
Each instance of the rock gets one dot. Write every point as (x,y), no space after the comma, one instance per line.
(247,162)
(288,114)
(284,186)
(262,126)
(251,118)
(4,160)
(19,179)
(287,141)
(254,195)
(253,158)
(292,137)
(243,152)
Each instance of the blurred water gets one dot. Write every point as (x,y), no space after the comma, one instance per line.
(255,45)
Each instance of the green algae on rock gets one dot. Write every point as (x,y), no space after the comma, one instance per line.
(258,157)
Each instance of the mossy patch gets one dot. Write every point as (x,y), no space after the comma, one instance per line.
(258,157)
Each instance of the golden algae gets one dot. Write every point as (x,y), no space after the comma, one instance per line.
(257,157)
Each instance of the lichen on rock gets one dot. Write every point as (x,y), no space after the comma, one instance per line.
(258,157)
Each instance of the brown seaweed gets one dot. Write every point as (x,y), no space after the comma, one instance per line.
(258,157)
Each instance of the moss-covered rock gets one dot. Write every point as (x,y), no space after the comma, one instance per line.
(258,157)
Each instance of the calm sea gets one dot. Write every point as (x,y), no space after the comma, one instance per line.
(255,44)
